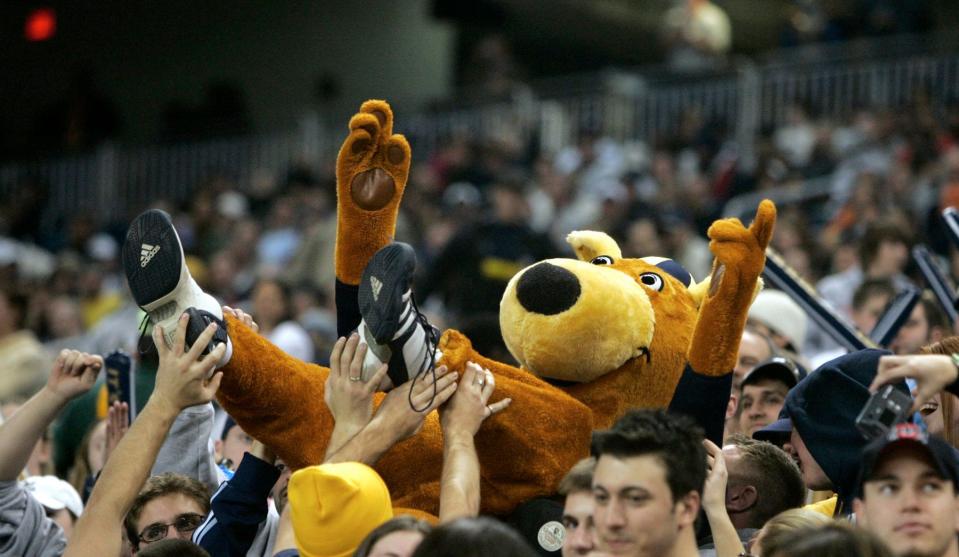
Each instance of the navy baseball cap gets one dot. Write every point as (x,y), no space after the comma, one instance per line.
(778,368)
(940,452)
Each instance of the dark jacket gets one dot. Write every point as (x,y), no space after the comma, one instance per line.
(823,408)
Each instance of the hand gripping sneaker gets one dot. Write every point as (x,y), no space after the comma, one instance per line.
(395,332)
(161,283)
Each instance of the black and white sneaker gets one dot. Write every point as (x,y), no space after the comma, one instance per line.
(395,332)
(160,281)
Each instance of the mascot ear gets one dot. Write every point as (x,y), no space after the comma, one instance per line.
(589,245)
(700,290)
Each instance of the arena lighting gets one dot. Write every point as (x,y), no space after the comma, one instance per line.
(41,25)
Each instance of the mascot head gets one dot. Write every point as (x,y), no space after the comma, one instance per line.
(577,320)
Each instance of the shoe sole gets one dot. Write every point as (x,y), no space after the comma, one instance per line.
(392,269)
(154,265)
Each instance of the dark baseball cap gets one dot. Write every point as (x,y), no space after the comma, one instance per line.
(778,368)
(942,454)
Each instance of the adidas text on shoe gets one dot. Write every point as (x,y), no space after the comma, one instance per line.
(146,253)
(386,279)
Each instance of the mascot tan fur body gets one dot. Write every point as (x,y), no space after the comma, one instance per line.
(621,343)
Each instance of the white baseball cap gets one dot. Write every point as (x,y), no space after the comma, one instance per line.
(54,494)
(776,310)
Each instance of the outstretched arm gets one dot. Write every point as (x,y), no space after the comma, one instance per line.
(181,382)
(25,529)
(349,398)
(725,537)
(73,374)
(460,419)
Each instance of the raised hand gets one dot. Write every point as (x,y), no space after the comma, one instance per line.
(118,422)
(73,373)
(932,372)
(714,490)
(468,407)
(183,378)
(349,398)
(725,536)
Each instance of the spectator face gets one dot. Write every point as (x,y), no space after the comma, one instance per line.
(865,317)
(580,529)
(909,506)
(269,305)
(279,488)
(890,259)
(914,334)
(933,415)
(165,510)
(761,328)
(635,512)
(401,543)
(235,444)
(760,404)
(753,349)
(812,474)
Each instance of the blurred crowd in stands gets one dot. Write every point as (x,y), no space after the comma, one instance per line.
(478,209)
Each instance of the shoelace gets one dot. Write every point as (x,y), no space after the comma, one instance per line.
(144,348)
(430,365)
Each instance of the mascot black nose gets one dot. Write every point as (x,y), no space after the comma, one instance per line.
(547,289)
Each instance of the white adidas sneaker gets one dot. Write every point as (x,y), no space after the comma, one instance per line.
(158,276)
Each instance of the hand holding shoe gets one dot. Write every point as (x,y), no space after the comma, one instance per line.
(183,378)
(349,398)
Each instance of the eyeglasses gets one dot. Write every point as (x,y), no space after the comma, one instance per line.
(184,523)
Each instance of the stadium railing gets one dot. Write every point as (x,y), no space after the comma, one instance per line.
(644,104)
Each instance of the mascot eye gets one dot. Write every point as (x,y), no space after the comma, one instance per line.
(652,280)
(602,260)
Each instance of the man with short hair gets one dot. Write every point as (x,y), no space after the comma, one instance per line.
(648,483)
(169,505)
(762,482)
(577,488)
(908,493)
(754,348)
(926,324)
(763,392)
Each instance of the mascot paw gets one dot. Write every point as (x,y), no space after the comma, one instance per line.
(373,164)
(738,247)
(371,173)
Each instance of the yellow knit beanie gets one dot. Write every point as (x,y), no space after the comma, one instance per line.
(334,506)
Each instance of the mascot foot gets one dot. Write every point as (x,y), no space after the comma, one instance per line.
(161,283)
(394,330)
